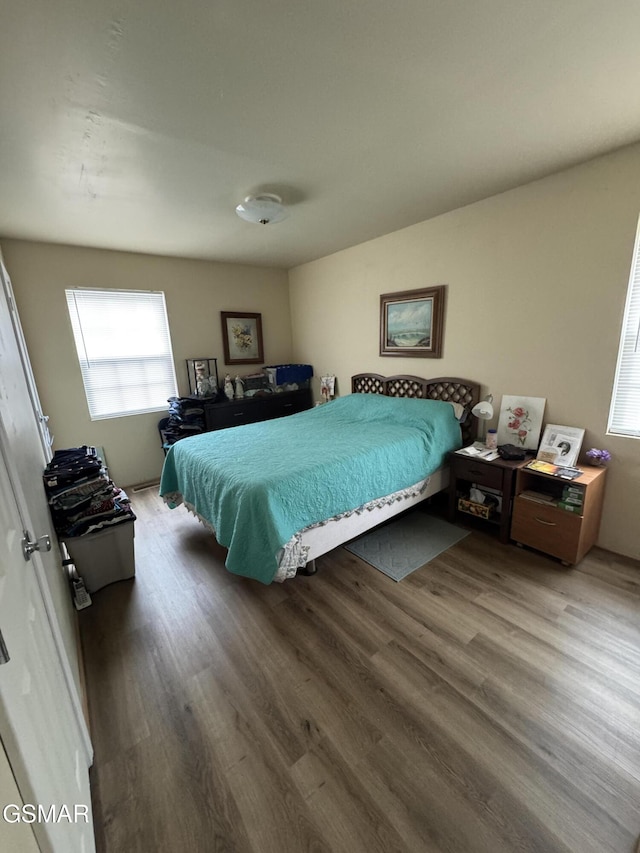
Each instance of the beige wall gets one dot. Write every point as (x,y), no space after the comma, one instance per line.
(196,292)
(536,282)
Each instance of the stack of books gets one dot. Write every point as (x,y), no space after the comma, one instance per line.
(572,499)
(565,472)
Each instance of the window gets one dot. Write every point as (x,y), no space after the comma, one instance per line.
(624,416)
(124,349)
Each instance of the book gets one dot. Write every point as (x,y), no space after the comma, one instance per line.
(568,473)
(570,507)
(569,502)
(564,472)
(539,497)
(574,492)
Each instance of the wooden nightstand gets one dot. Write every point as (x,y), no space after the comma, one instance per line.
(498,474)
(561,533)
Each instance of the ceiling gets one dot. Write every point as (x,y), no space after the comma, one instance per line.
(140,124)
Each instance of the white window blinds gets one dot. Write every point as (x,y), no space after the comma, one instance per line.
(124,349)
(624,415)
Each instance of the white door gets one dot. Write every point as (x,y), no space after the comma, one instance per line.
(37,723)
(41,721)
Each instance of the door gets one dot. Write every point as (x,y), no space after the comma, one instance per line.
(37,724)
(41,723)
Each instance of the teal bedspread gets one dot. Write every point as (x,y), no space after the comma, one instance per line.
(258,484)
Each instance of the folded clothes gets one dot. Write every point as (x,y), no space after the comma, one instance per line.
(81,496)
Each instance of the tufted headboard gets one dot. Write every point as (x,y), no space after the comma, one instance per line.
(447,388)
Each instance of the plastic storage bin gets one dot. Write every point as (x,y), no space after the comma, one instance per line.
(104,556)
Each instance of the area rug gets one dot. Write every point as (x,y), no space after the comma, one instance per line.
(405,544)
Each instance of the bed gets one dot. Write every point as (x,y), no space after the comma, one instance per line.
(278,494)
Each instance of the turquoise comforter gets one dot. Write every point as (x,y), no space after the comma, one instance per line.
(258,484)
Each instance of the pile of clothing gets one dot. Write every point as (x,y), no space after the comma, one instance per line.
(186,417)
(81,496)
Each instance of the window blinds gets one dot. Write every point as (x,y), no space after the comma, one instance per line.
(624,416)
(124,349)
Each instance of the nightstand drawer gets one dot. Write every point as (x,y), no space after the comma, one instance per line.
(482,473)
(547,528)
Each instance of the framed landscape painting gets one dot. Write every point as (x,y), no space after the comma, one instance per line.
(411,322)
(242,337)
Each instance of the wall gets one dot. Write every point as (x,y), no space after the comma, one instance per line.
(195,291)
(536,283)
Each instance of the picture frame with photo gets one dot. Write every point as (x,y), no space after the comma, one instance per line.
(561,445)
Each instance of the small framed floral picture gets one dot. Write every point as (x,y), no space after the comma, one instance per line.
(520,421)
(242,337)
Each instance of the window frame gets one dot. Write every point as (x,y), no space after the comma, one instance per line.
(154,370)
(624,417)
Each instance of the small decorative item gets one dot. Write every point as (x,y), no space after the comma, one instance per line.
(239,388)
(228,387)
(600,458)
(327,387)
(520,421)
(203,376)
(560,445)
(411,322)
(242,337)
(492,439)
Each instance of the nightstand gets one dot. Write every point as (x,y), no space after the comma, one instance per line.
(566,526)
(498,474)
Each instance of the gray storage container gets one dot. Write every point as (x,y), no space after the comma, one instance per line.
(104,556)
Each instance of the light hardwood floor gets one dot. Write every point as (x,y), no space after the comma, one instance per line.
(489,702)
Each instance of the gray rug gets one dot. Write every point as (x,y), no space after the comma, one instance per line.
(405,544)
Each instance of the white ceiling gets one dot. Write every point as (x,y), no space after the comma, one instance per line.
(140,124)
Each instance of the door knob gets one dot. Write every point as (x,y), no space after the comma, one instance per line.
(42,543)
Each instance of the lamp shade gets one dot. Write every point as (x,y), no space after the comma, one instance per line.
(483,409)
(262,209)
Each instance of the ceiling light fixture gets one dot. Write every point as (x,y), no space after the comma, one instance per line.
(262,209)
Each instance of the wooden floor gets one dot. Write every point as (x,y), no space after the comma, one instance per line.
(489,702)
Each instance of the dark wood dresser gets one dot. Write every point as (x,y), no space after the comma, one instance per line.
(249,410)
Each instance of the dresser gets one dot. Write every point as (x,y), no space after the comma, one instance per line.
(249,410)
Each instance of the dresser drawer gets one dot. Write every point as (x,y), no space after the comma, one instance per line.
(281,406)
(222,417)
(546,528)
(478,472)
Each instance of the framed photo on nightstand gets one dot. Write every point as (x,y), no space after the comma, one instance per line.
(560,445)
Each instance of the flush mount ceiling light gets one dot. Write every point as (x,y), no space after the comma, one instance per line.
(263,209)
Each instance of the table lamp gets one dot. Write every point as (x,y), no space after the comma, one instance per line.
(484,412)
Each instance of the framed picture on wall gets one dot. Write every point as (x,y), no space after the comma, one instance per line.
(411,322)
(242,337)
